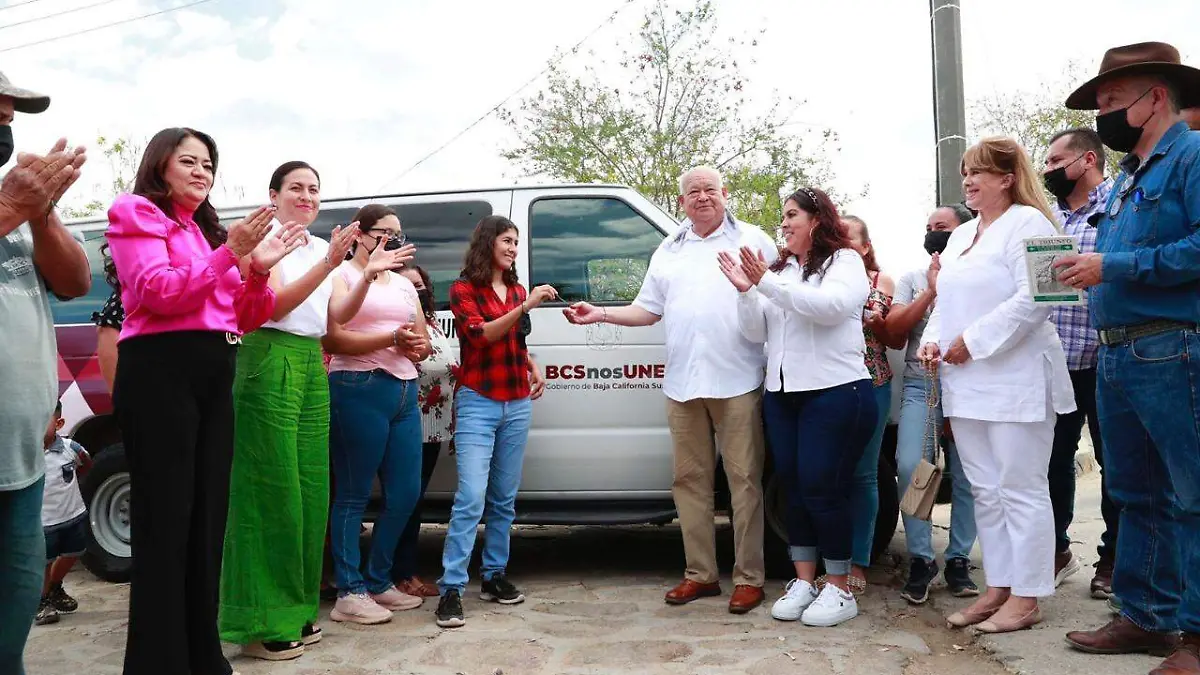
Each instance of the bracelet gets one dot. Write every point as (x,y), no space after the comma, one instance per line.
(605,318)
(395,337)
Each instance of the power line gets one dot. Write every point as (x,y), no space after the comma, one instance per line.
(107,25)
(51,16)
(549,64)
(18,4)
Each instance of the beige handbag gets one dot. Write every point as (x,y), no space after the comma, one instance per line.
(922,492)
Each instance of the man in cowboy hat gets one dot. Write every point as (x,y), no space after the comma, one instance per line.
(1144,279)
(37,255)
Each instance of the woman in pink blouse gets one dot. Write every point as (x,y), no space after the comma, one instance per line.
(190,291)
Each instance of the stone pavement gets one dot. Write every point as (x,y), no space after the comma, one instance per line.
(595,606)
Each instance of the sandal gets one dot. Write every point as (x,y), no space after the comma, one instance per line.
(857,586)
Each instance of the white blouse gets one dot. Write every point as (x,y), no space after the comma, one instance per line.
(309,319)
(1017,371)
(812,327)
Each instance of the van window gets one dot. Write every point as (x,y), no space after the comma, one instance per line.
(590,248)
(80,310)
(440,231)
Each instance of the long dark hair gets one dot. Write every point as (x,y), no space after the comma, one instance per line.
(868,259)
(286,168)
(151,184)
(828,236)
(477,263)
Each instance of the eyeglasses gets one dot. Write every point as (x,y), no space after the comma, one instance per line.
(390,234)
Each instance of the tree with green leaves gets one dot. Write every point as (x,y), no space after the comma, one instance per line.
(123,155)
(1033,117)
(676,99)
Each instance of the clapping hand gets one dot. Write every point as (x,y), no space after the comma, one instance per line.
(754,265)
(931,275)
(733,271)
(247,233)
(35,183)
(383,260)
(340,242)
(272,249)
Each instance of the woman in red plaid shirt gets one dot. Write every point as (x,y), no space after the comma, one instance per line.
(496,385)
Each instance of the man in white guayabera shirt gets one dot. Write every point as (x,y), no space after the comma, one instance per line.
(713,381)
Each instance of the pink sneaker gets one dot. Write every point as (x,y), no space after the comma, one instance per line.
(361,609)
(396,601)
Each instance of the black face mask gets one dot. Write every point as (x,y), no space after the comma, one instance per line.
(1057,183)
(6,144)
(426,297)
(1115,130)
(935,241)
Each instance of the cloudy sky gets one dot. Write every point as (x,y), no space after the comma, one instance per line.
(365,88)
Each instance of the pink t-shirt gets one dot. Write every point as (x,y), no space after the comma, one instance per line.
(172,280)
(387,307)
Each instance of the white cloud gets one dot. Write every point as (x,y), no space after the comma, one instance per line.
(364,88)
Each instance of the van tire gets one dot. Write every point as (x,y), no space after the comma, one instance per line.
(105,490)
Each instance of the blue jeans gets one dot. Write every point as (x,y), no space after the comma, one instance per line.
(816,440)
(490,446)
(22,563)
(1147,399)
(864,490)
(910,448)
(374,429)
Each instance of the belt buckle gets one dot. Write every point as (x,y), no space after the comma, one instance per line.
(233,339)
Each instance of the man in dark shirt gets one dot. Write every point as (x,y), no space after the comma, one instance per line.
(1144,281)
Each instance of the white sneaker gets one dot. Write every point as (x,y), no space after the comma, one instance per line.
(800,594)
(396,601)
(359,608)
(832,606)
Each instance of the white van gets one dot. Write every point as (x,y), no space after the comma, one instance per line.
(599,450)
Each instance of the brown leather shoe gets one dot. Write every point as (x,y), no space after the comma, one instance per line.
(420,589)
(1102,581)
(690,590)
(745,598)
(1185,660)
(1122,636)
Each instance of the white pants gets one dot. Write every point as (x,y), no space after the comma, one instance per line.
(1007,465)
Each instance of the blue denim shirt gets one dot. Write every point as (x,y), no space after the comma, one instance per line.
(1149,237)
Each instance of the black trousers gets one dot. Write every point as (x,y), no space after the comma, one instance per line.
(1067,432)
(173,396)
(405,566)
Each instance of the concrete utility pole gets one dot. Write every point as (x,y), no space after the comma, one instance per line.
(949,108)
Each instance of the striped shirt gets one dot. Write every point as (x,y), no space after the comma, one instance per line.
(1079,339)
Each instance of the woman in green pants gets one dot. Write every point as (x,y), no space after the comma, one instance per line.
(279,492)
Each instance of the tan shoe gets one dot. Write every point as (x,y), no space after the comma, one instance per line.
(969,617)
(1029,620)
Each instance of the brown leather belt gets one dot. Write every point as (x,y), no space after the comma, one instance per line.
(1127,334)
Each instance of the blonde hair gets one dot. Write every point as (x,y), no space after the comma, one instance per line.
(1001,155)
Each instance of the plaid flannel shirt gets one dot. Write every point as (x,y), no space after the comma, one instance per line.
(1074,325)
(498,370)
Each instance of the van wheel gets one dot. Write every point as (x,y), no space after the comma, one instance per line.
(105,490)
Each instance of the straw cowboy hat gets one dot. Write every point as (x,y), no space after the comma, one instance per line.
(1144,58)
(23,100)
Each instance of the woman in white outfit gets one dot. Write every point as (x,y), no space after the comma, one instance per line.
(1004,378)
(820,407)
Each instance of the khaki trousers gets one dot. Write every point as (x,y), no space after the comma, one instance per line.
(737,425)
